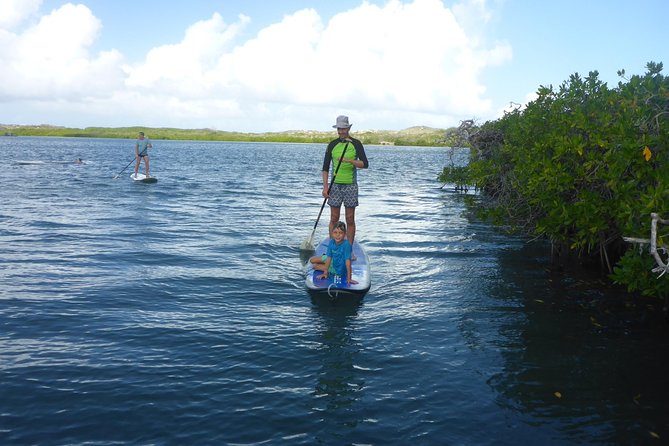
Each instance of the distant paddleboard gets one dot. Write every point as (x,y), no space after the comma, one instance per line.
(42,163)
(140,177)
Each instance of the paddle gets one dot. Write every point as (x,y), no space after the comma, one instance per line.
(141,155)
(308,244)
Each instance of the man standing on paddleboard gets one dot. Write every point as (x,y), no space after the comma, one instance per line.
(142,147)
(347,155)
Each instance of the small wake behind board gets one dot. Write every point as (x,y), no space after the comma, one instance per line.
(338,287)
(140,177)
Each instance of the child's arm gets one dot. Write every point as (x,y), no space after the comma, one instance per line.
(349,273)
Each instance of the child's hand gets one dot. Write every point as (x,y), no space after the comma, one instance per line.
(323,276)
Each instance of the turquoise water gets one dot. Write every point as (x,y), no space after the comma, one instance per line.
(175,313)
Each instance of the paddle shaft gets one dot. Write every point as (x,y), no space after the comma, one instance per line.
(329,187)
(141,154)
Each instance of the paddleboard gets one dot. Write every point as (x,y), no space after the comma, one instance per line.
(143,179)
(334,287)
(41,163)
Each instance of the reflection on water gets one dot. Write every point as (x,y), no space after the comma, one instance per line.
(340,385)
(576,347)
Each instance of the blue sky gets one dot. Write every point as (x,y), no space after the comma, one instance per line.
(256,66)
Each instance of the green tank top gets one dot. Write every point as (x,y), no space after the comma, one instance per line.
(346,173)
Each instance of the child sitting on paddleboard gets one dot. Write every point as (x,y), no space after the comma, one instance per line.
(337,259)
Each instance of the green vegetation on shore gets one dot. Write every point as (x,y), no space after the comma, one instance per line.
(582,166)
(414,136)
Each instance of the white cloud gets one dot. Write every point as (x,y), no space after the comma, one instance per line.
(50,60)
(13,12)
(185,66)
(391,66)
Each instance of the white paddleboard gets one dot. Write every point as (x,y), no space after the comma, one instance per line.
(143,178)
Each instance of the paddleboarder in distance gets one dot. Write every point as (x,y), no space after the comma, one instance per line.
(351,154)
(142,147)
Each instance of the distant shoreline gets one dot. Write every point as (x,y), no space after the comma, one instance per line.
(413,136)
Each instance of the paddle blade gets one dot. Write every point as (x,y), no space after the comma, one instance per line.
(307,245)
(305,255)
